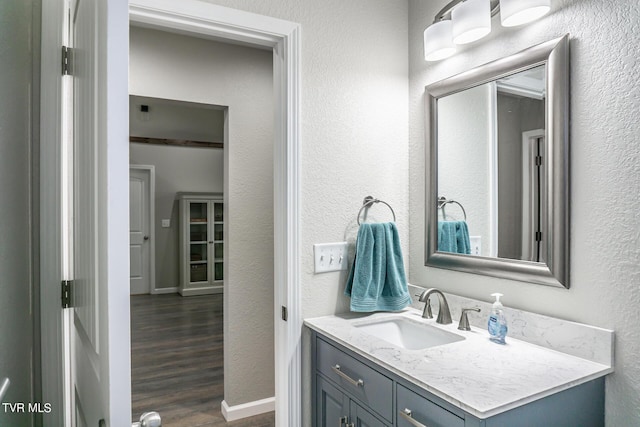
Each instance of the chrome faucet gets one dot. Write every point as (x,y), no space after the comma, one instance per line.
(444,315)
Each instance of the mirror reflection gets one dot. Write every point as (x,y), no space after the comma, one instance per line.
(491,169)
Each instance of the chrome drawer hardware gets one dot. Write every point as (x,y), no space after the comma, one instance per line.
(357,383)
(406,414)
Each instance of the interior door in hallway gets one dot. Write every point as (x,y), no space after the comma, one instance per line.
(95,387)
(140,229)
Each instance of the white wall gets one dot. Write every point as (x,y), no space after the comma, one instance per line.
(16,123)
(354,123)
(198,70)
(605,176)
(353,131)
(464,148)
(192,169)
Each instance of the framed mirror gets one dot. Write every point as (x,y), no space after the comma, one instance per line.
(497,178)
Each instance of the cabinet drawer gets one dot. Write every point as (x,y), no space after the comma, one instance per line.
(366,384)
(423,411)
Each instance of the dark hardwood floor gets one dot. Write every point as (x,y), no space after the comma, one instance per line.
(177,361)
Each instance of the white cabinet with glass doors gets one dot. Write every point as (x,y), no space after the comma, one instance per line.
(201,243)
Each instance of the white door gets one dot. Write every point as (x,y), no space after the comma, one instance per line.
(140,223)
(99,320)
(87,406)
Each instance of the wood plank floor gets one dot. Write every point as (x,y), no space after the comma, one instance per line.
(177,361)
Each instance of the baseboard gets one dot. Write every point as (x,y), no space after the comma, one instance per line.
(249,409)
(157,291)
(207,290)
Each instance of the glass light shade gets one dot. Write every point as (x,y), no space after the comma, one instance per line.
(471,21)
(438,41)
(518,12)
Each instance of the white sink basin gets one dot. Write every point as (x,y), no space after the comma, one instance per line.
(407,334)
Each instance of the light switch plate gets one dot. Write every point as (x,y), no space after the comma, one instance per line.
(166,223)
(330,257)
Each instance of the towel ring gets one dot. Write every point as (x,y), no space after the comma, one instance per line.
(368,202)
(442,201)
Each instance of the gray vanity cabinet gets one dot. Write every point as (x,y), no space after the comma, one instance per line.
(414,410)
(335,408)
(350,390)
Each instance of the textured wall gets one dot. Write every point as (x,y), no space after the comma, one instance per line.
(198,70)
(354,123)
(16,321)
(605,176)
(353,131)
(177,169)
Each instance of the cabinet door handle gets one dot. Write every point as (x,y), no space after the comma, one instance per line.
(343,421)
(357,383)
(406,414)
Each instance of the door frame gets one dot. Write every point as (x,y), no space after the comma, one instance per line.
(283,37)
(191,17)
(151,171)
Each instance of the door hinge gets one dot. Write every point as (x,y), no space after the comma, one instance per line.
(285,315)
(538,236)
(66,293)
(538,160)
(67,59)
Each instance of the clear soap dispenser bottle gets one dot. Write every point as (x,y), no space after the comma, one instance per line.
(497,324)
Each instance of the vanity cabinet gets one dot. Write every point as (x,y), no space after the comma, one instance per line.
(201,243)
(336,408)
(415,410)
(351,390)
(362,390)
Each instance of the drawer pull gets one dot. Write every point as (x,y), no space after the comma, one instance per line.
(406,414)
(357,383)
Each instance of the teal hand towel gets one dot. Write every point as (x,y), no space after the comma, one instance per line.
(453,236)
(377,281)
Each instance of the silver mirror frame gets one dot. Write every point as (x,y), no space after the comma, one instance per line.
(555,55)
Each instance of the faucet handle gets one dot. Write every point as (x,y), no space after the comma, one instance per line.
(463,325)
(427,309)
(427,313)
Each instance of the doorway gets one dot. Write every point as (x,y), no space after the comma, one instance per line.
(172,72)
(141,233)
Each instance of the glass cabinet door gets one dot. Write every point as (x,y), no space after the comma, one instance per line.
(218,241)
(198,241)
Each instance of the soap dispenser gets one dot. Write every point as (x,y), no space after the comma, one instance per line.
(497,324)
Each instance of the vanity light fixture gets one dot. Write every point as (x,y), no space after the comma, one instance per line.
(438,41)
(518,12)
(465,21)
(471,21)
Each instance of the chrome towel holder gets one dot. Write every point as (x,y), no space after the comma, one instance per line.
(442,201)
(368,202)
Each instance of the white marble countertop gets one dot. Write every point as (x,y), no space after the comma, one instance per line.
(475,374)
